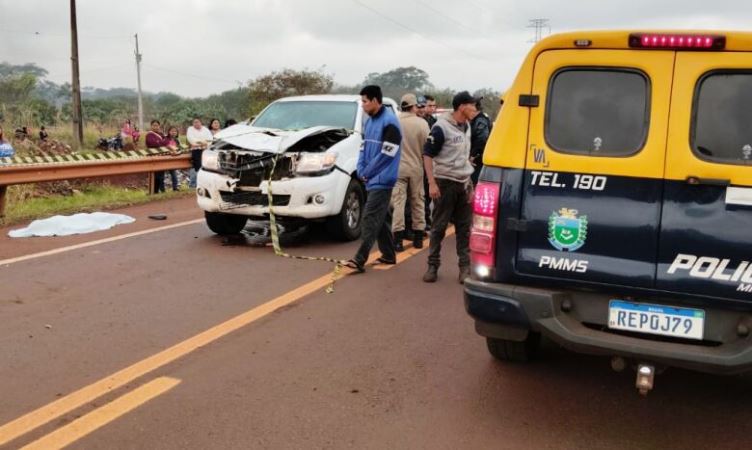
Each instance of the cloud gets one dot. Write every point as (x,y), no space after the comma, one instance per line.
(199,47)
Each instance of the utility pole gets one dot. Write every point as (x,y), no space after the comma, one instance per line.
(140,99)
(539,25)
(78,122)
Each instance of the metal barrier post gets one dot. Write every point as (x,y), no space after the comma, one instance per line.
(3,191)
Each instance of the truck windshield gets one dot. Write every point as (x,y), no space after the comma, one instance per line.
(299,115)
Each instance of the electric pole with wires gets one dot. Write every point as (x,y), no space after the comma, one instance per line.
(78,121)
(539,25)
(140,98)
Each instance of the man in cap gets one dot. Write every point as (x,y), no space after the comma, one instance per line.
(446,158)
(410,178)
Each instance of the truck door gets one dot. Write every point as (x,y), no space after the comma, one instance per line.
(706,228)
(593,176)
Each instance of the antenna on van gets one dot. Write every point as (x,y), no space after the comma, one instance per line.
(539,25)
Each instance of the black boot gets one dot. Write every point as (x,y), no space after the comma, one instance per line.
(431,274)
(418,238)
(398,247)
(464,274)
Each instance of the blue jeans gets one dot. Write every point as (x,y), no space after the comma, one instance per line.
(192,180)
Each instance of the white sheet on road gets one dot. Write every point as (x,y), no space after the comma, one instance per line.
(76,224)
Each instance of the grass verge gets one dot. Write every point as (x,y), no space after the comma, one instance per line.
(92,198)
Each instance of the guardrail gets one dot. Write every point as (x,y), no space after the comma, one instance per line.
(23,170)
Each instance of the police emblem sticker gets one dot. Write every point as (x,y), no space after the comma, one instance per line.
(566,231)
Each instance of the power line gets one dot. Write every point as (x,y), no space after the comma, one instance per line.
(451,19)
(412,30)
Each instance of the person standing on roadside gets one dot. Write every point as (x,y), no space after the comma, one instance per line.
(410,179)
(215,126)
(155,139)
(6,150)
(199,138)
(429,110)
(136,136)
(43,135)
(173,143)
(427,113)
(126,132)
(378,166)
(480,129)
(446,157)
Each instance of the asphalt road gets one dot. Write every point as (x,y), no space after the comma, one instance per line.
(166,339)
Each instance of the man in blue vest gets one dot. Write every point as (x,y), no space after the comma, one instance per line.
(378,167)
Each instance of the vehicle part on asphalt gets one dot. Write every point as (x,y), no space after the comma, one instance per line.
(224,224)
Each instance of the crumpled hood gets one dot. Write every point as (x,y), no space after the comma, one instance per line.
(265,140)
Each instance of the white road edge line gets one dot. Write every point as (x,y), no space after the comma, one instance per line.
(9,261)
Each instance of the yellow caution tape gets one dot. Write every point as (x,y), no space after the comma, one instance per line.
(275,237)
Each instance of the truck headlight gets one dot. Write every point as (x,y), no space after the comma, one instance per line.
(311,163)
(210,160)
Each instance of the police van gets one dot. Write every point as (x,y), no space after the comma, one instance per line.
(614,211)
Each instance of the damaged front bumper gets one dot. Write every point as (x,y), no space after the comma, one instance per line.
(303,197)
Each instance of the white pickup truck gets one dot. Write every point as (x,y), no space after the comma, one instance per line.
(319,138)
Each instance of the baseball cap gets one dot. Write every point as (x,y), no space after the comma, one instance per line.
(421,102)
(462,98)
(408,100)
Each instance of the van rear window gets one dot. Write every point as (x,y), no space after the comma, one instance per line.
(598,112)
(722,129)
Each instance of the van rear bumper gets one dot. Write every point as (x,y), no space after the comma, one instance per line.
(507,311)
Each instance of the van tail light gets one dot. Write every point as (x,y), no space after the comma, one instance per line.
(677,41)
(483,231)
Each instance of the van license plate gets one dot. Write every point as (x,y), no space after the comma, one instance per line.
(656,319)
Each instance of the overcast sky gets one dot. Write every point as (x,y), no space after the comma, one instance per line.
(200,47)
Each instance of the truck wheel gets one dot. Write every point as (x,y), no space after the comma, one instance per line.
(346,225)
(224,224)
(515,351)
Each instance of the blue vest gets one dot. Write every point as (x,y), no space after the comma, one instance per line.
(378,163)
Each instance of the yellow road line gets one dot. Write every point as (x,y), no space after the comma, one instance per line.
(56,251)
(102,416)
(44,414)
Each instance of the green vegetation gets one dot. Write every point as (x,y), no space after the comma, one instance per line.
(91,198)
(28,99)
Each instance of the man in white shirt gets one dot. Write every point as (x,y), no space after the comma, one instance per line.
(199,138)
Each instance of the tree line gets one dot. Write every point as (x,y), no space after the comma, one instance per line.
(27,98)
